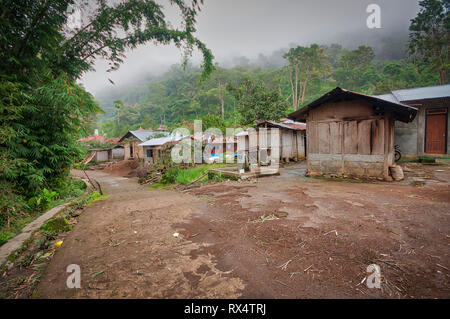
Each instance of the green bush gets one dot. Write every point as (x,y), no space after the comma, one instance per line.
(43,200)
(170,176)
(55,226)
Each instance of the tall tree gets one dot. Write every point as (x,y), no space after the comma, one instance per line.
(41,58)
(429,38)
(257,102)
(304,63)
(355,69)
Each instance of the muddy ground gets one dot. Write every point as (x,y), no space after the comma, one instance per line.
(327,233)
(286,236)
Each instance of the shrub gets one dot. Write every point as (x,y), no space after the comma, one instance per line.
(170,176)
(55,226)
(43,200)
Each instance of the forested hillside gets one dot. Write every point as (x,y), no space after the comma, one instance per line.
(307,73)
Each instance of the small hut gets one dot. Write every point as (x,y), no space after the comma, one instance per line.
(292,138)
(132,139)
(154,149)
(106,154)
(98,155)
(351,134)
(290,144)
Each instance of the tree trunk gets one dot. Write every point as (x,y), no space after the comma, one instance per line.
(222,100)
(442,77)
(292,88)
(296,90)
(304,90)
(223,108)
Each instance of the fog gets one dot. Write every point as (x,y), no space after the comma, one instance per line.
(233,29)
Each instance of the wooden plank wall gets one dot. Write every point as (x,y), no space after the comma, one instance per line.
(364,137)
(290,145)
(300,144)
(286,144)
(347,138)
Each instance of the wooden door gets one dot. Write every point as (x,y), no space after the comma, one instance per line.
(436,131)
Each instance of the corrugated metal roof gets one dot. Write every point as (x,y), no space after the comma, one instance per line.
(388,97)
(145,135)
(243,133)
(142,135)
(161,141)
(421,93)
(290,125)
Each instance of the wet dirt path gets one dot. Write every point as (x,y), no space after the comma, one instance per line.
(284,236)
(125,248)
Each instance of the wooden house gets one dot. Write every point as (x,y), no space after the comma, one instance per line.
(154,150)
(351,134)
(98,155)
(292,138)
(256,145)
(115,153)
(132,139)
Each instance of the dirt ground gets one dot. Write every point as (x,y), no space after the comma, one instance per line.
(122,168)
(286,236)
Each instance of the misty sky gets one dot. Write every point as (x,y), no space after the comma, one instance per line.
(232,28)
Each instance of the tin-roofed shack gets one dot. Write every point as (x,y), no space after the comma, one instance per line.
(154,150)
(132,139)
(351,134)
(292,138)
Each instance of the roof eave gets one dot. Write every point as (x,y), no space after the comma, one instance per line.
(402,112)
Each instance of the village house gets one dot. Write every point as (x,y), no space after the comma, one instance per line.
(292,138)
(153,149)
(428,133)
(115,153)
(221,147)
(351,134)
(132,139)
(290,147)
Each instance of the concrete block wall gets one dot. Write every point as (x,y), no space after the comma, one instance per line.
(351,166)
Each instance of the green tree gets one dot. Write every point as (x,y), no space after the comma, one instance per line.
(356,70)
(304,63)
(430,37)
(43,109)
(255,102)
(214,121)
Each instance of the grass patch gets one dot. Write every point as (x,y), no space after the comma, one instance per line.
(175,175)
(95,196)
